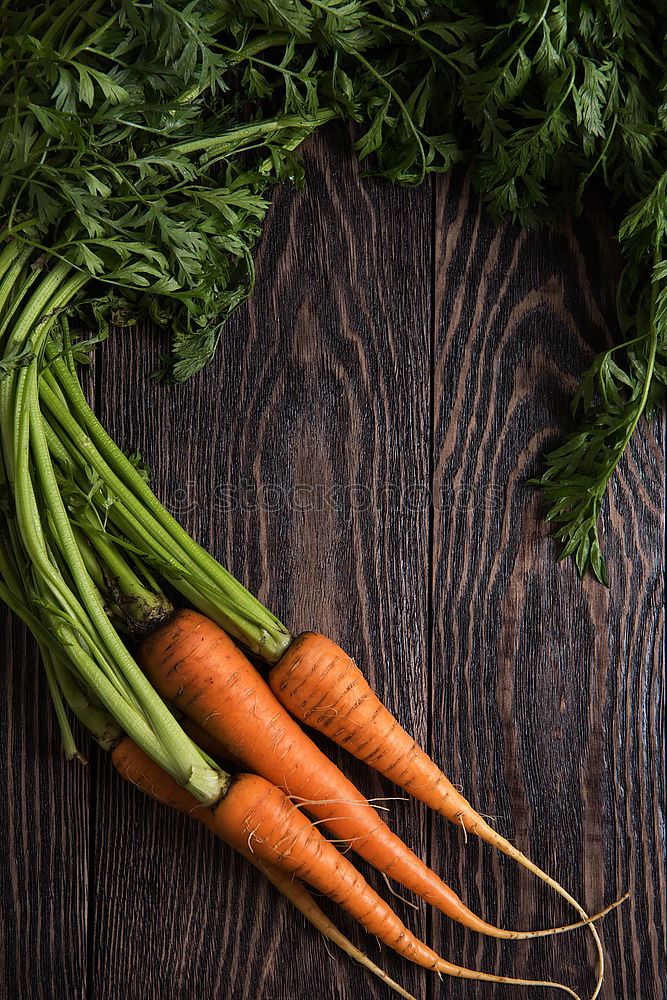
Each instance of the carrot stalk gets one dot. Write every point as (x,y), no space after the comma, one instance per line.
(69,601)
(194,664)
(256,817)
(41,547)
(141,513)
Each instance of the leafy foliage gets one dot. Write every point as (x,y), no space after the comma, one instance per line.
(140,142)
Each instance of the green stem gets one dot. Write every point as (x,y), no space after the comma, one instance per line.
(29,520)
(8,571)
(125,715)
(411,34)
(141,609)
(185,761)
(58,449)
(259,44)
(244,616)
(12,310)
(71,53)
(192,583)
(54,292)
(46,645)
(74,10)
(397,97)
(95,719)
(237,56)
(61,682)
(135,603)
(66,735)
(9,255)
(105,664)
(92,565)
(117,513)
(640,403)
(215,144)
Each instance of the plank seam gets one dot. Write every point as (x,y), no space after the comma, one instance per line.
(431,542)
(94,772)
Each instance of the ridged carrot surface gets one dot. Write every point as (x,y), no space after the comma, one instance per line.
(323,687)
(140,770)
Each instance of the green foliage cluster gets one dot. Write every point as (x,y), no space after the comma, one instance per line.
(139,143)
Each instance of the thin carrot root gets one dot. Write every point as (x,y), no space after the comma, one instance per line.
(407,902)
(137,767)
(295,891)
(323,687)
(258,811)
(454,970)
(507,848)
(299,803)
(200,736)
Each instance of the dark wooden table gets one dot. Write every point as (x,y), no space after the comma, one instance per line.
(356,454)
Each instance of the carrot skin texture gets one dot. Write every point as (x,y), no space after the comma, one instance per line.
(205,741)
(257,816)
(323,687)
(136,767)
(195,665)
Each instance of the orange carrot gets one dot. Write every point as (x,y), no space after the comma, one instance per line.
(206,742)
(298,895)
(135,766)
(322,686)
(195,665)
(256,817)
(140,770)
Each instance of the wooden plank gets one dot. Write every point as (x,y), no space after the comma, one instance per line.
(43,836)
(544,692)
(45,847)
(277,458)
(546,689)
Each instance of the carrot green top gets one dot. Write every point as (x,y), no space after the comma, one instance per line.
(139,143)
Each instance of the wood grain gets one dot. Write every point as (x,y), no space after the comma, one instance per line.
(43,836)
(547,688)
(356,455)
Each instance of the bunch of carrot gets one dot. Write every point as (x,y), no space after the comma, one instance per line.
(108,142)
(114,554)
(85,561)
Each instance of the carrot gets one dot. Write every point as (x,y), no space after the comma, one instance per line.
(255,817)
(322,686)
(206,742)
(194,664)
(133,764)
